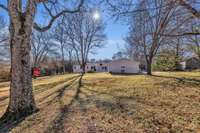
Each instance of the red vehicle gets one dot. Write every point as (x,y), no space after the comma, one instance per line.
(36,72)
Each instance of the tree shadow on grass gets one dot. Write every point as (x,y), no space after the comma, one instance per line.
(117,103)
(7,126)
(126,74)
(181,80)
(44,87)
(57,125)
(58,92)
(117,106)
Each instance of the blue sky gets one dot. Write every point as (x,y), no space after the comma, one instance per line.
(115,32)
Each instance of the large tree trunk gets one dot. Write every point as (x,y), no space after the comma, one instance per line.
(21,102)
(83,68)
(149,68)
(63,60)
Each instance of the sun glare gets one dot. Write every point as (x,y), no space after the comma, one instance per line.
(96,15)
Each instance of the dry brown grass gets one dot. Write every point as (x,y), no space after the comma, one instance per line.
(4,73)
(165,102)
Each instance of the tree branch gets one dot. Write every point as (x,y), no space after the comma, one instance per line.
(54,17)
(3,7)
(192,10)
(183,34)
(6,39)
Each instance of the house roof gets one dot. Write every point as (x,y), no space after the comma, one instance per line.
(125,59)
(117,60)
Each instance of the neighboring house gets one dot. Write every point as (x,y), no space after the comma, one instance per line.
(92,67)
(191,64)
(183,65)
(124,66)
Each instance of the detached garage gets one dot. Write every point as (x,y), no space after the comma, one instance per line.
(124,66)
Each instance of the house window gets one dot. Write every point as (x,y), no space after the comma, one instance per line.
(93,68)
(123,67)
(104,68)
(122,71)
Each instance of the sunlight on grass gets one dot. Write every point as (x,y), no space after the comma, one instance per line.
(165,102)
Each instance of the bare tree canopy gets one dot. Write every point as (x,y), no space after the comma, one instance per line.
(121,9)
(3,31)
(193,42)
(60,38)
(54,9)
(4,38)
(85,35)
(147,26)
(187,4)
(42,45)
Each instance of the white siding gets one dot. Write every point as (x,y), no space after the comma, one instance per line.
(77,69)
(98,67)
(117,66)
(124,66)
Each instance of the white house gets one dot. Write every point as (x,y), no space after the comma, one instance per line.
(116,66)
(92,67)
(124,66)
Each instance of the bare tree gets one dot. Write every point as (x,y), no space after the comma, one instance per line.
(85,35)
(3,35)
(188,5)
(193,42)
(4,38)
(123,9)
(148,25)
(60,38)
(22,21)
(119,55)
(42,45)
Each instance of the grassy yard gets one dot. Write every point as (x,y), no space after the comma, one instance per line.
(165,102)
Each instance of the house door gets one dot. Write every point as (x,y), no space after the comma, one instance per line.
(93,68)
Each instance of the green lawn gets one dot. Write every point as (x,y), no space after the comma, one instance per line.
(165,102)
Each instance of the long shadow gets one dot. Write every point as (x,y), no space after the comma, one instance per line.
(3,98)
(41,88)
(117,106)
(4,90)
(181,79)
(58,91)
(4,85)
(125,74)
(57,125)
(7,126)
